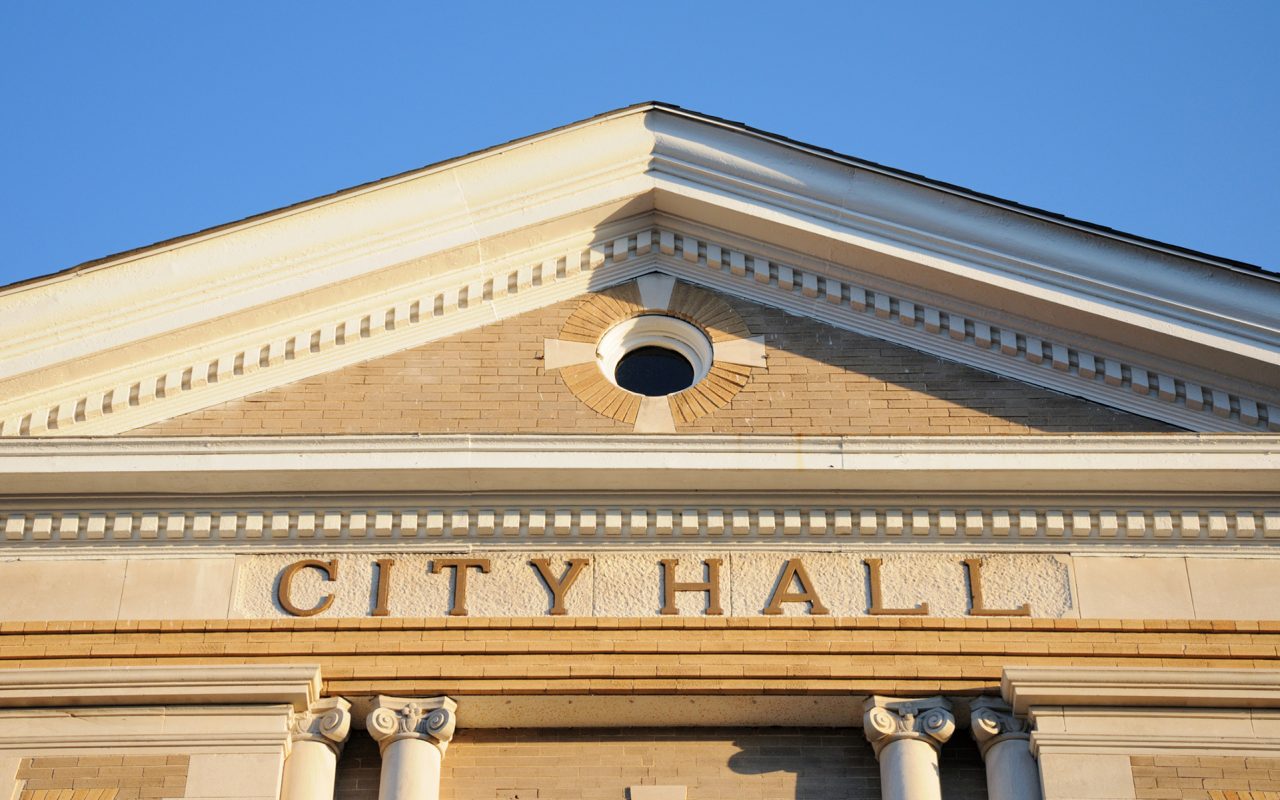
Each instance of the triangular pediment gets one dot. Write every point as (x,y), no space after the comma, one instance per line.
(318,291)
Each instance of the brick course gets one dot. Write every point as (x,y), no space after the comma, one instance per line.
(1205,778)
(460,656)
(818,380)
(104,777)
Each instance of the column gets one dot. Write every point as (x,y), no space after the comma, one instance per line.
(907,735)
(317,739)
(1012,773)
(412,733)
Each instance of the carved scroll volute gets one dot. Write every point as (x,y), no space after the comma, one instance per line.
(327,721)
(992,721)
(888,720)
(431,719)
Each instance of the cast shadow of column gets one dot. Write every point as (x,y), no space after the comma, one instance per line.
(838,762)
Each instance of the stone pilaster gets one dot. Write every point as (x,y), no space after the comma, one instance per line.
(318,735)
(1005,742)
(413,735)
(907,735)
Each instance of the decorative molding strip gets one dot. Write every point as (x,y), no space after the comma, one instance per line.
(969,339)
(294,685)
(418,315)
(1148,470)
(1099,687)
(445,306)
(628,525)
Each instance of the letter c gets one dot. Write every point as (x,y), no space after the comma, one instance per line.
(285,589)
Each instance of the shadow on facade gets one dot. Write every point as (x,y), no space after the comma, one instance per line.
(840,763)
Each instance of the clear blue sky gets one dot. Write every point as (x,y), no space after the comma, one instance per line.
(125,123)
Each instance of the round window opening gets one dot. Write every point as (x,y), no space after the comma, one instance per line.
(653,371)
(654,355)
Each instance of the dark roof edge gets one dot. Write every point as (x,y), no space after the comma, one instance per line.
(1252,270)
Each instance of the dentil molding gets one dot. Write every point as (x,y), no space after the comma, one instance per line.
(436,307)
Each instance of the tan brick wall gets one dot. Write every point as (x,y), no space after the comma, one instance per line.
(358,769)
(819,380)
(103,777)
(1205,778)
(714,763)
(463,656)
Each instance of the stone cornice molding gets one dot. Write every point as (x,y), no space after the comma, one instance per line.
(297,686)
(890,719)
(326,721)
(436,210)
(677,160)
(1168,464)
(142,730)
(971,333)
(991,721)
(405,315)
(621,520)
(428,719)
(1136,730)
(1026,688)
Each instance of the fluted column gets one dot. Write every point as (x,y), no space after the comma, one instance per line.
(1012,773)
(318,735)
(907,735)
(412,733)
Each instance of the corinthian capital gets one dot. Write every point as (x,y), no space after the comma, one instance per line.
(992,721)
(327,721)
(890,719)
(430,719)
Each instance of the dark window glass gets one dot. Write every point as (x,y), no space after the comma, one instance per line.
(654,371)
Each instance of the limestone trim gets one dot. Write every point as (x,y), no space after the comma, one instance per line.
(402,317)
(1021,349)
(146,729)
(1028,687)
(326,721)
(297,686)
(1138,731)
(427,719)
(1165,464)
(1080,527)
(890,719)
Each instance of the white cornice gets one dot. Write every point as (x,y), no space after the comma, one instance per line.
(845,203)
(422,309)
(1102,687)
(466,463)
(1139,711)
(434,211)
(268,684)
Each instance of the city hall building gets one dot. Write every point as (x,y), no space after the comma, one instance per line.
(652,457)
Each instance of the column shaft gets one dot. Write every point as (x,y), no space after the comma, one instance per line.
(909,771)
(309,772)
(1012,772)
(410,771)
